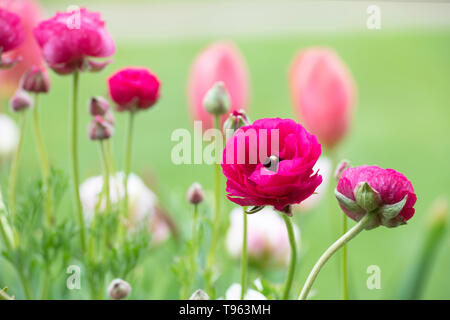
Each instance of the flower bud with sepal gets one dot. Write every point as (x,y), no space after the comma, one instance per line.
(372,189)
(236,120)
(217,99)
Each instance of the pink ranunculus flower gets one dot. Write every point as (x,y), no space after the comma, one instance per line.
(70,39)
(28,52)
(134,89)
(267,239)
(12,35)
(271,163)
(219,62)
(390,187)
(323,93)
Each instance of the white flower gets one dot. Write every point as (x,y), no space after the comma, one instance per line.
(324,167)
(234,293)
(267,237)
(9,137)
(142,202)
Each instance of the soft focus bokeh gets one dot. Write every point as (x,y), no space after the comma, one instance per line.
(402,121)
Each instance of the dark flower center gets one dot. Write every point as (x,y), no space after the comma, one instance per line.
(271,163)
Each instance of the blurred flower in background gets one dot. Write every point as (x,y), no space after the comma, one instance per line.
(221,61)
(267,239)
(9,138)
(323,93)
(66,47)
(234,293)
(30,13)
(143,203)
(324,167)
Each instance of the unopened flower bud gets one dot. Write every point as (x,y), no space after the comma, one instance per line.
(119,289)
(217,99)
(98,106)
(36,80)
(344,164)
(199,295)
(195,193)
(236,120)
(100,129)
(20,101)
(366,197)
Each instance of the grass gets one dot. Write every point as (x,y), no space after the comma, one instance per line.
(402,122)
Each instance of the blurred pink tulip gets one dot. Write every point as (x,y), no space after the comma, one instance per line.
(221,61)
(30,14)
(323,93)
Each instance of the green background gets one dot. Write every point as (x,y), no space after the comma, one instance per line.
(402,121)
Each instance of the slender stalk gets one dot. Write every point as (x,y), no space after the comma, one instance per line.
(74,159)
(244,261)
(128,151)
(45,285)
(216,223)
(25,284)
(15,169)
(112,165)
(344,261)
(45,167)
(186,288)
(353,232)
(293,261)
(106,175)
(344,256)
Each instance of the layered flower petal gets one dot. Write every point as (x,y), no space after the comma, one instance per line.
(271,163)
(69,38)
(134,88)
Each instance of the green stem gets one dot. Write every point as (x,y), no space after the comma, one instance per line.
(15,169)
(293,258)
(353,232)
(112,165)
(46,285)
(128,151)
(25,284)
(244,261)
(45,167)
(106,175)
(344,261)
(74,159)
(216,223)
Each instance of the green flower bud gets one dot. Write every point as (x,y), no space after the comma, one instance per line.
(236,120)
(217,100)
(366,197)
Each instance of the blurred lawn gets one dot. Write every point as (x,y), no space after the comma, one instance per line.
(402,122)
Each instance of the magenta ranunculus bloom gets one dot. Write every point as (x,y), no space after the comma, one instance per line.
(391,187)
(134,88)
(12,33)
(70,39)
(271,163)
(323,93)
